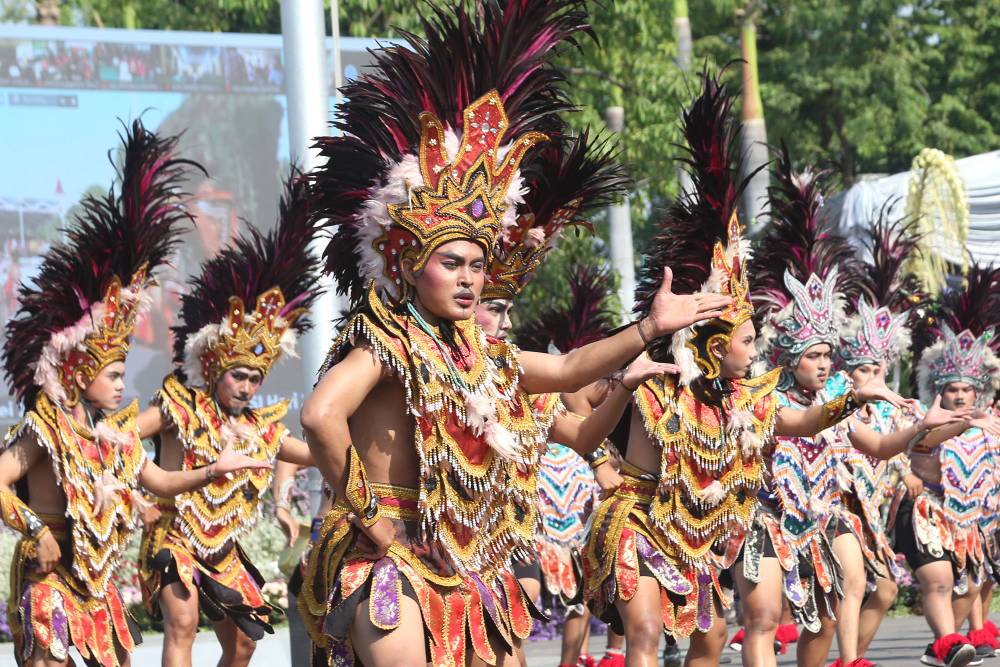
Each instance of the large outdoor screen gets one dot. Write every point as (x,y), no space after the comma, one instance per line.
(63,95)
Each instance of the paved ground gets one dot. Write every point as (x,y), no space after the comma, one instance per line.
(900,642)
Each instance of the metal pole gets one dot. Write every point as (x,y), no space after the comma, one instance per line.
(338,68)
(620,230)
(307,99)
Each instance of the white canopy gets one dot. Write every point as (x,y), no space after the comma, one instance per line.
(981,173)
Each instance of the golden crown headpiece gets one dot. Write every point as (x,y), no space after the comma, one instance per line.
(729,273)
(100,338)
(462,195)
(251,339)
(521,250)
(691,350)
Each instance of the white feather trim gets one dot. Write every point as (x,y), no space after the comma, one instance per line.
(479,410)
(288,343)
(104,492)
(104,432)
(741,426)
(234,432)
(502,441)
(713,494)
(683,356)
(195,346)
(925,377)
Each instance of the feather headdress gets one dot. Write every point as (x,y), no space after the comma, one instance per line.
(249,302)
(878,331)
(569,178)
(80,311)
(700,237)
(588,316)
(802,270)
(961,339)
(436,137)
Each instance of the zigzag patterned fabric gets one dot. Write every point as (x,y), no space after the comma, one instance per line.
(967,475)
(568,494)
(805,474)
(990,520)
(872,477)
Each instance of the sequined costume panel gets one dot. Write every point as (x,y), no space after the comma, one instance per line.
(711,460)
(808,474)
(228,586)
(215,516)
(810,578)
(624,544)
(873,483)
(477,435)
(568,494)
(968,464)
(461,612)
(100,478)
(55,611)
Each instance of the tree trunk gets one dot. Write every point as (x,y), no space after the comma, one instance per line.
(682,33)
(754,135)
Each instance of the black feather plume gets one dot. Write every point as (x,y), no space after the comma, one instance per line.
(114,235)
(256,262)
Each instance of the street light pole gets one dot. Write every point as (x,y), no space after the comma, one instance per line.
(620,229)
(307,100)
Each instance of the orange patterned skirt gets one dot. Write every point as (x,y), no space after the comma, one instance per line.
(230,584)
(53,611)
(462,614)
(623,545)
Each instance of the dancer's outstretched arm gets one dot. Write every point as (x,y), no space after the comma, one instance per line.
(807,423)
(937,426)
(544,373)
(169,483)
(585,435)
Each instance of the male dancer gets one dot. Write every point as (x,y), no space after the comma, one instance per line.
(875,336)
(695,452)
(242,313)
(75,457)
(421,423)
(938,530)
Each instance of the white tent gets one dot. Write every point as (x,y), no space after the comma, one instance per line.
(981,174)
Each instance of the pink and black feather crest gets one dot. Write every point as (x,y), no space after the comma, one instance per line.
(587,317)
(114,234)
(799,240)
(507,45)
(698,219)
(890,243)
(256,262)
(975,306)
(583,168)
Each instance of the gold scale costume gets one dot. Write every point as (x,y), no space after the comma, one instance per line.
(438,156)
(685,522)
(77,318)
(196,540)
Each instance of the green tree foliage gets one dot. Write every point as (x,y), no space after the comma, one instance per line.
(863,86)
(859,86)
